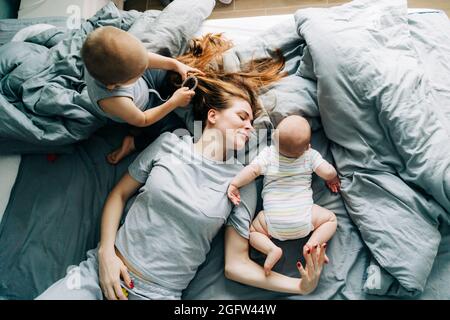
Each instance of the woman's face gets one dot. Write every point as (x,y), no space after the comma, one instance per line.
(234,123)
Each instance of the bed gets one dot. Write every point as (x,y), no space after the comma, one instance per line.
(53,193)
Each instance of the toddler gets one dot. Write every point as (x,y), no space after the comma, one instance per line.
(119,78)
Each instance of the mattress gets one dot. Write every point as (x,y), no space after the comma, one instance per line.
(88,164)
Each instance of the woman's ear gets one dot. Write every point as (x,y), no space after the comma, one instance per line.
(212,116)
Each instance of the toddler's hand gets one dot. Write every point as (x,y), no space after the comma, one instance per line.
(183,70)
(182,97)
(234,195)
(334,184)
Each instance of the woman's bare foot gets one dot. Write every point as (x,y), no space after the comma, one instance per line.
(125,149)
(309,246)
(272,258)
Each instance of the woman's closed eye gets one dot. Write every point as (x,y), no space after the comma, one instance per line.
(243,116)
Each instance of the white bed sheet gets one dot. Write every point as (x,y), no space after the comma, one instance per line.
(9,167)
(241,29)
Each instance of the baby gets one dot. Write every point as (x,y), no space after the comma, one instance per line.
(289,212)
(118,80)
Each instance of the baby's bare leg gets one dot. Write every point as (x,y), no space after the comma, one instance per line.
(325,223)
(259,239)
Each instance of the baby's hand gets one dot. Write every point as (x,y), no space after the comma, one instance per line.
(334,184)
(234,195)
(182,97)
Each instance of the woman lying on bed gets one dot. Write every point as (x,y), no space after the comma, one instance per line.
(181,206)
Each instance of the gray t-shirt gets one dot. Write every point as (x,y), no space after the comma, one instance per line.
(181,207)
(138,92)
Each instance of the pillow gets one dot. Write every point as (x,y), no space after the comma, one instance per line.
(9,27)
(31,31)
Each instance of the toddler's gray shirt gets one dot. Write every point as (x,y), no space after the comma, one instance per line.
(138,92)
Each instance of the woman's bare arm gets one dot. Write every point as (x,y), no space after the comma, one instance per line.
(111,267)
(239,267)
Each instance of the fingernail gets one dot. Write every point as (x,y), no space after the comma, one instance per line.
(317,246)
(324,245)
(298,264)
(308,251)
(131,284)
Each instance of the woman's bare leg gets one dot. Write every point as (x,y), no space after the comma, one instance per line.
(325,224)
(125,149)
(259,239)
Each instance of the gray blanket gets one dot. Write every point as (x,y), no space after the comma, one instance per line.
(44,105)
(385,115)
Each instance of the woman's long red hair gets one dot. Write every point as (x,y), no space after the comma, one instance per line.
(217,87)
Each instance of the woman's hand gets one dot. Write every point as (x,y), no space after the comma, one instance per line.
(334,184)
(110,270)
(183,70)
(182,97)
(234,195)
(315,258)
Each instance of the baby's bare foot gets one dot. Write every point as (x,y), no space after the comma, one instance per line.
(125,149)
(272,258)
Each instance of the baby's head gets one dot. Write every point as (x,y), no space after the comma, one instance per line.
(293,134)
(113,56)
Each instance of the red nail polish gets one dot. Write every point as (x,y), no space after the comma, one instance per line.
(51,157)
(308,251)
(324,245)
(131,284)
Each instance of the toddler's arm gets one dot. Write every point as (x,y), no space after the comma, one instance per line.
(124,108)
(244,177)
(160,62)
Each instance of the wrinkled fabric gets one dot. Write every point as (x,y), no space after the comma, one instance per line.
(44,103)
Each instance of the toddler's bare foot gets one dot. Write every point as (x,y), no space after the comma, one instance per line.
(125,149)
(272,258)
(309,246)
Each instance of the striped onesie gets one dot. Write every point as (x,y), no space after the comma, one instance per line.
(287,193)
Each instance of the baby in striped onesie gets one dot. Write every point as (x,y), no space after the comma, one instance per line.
(289,212)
